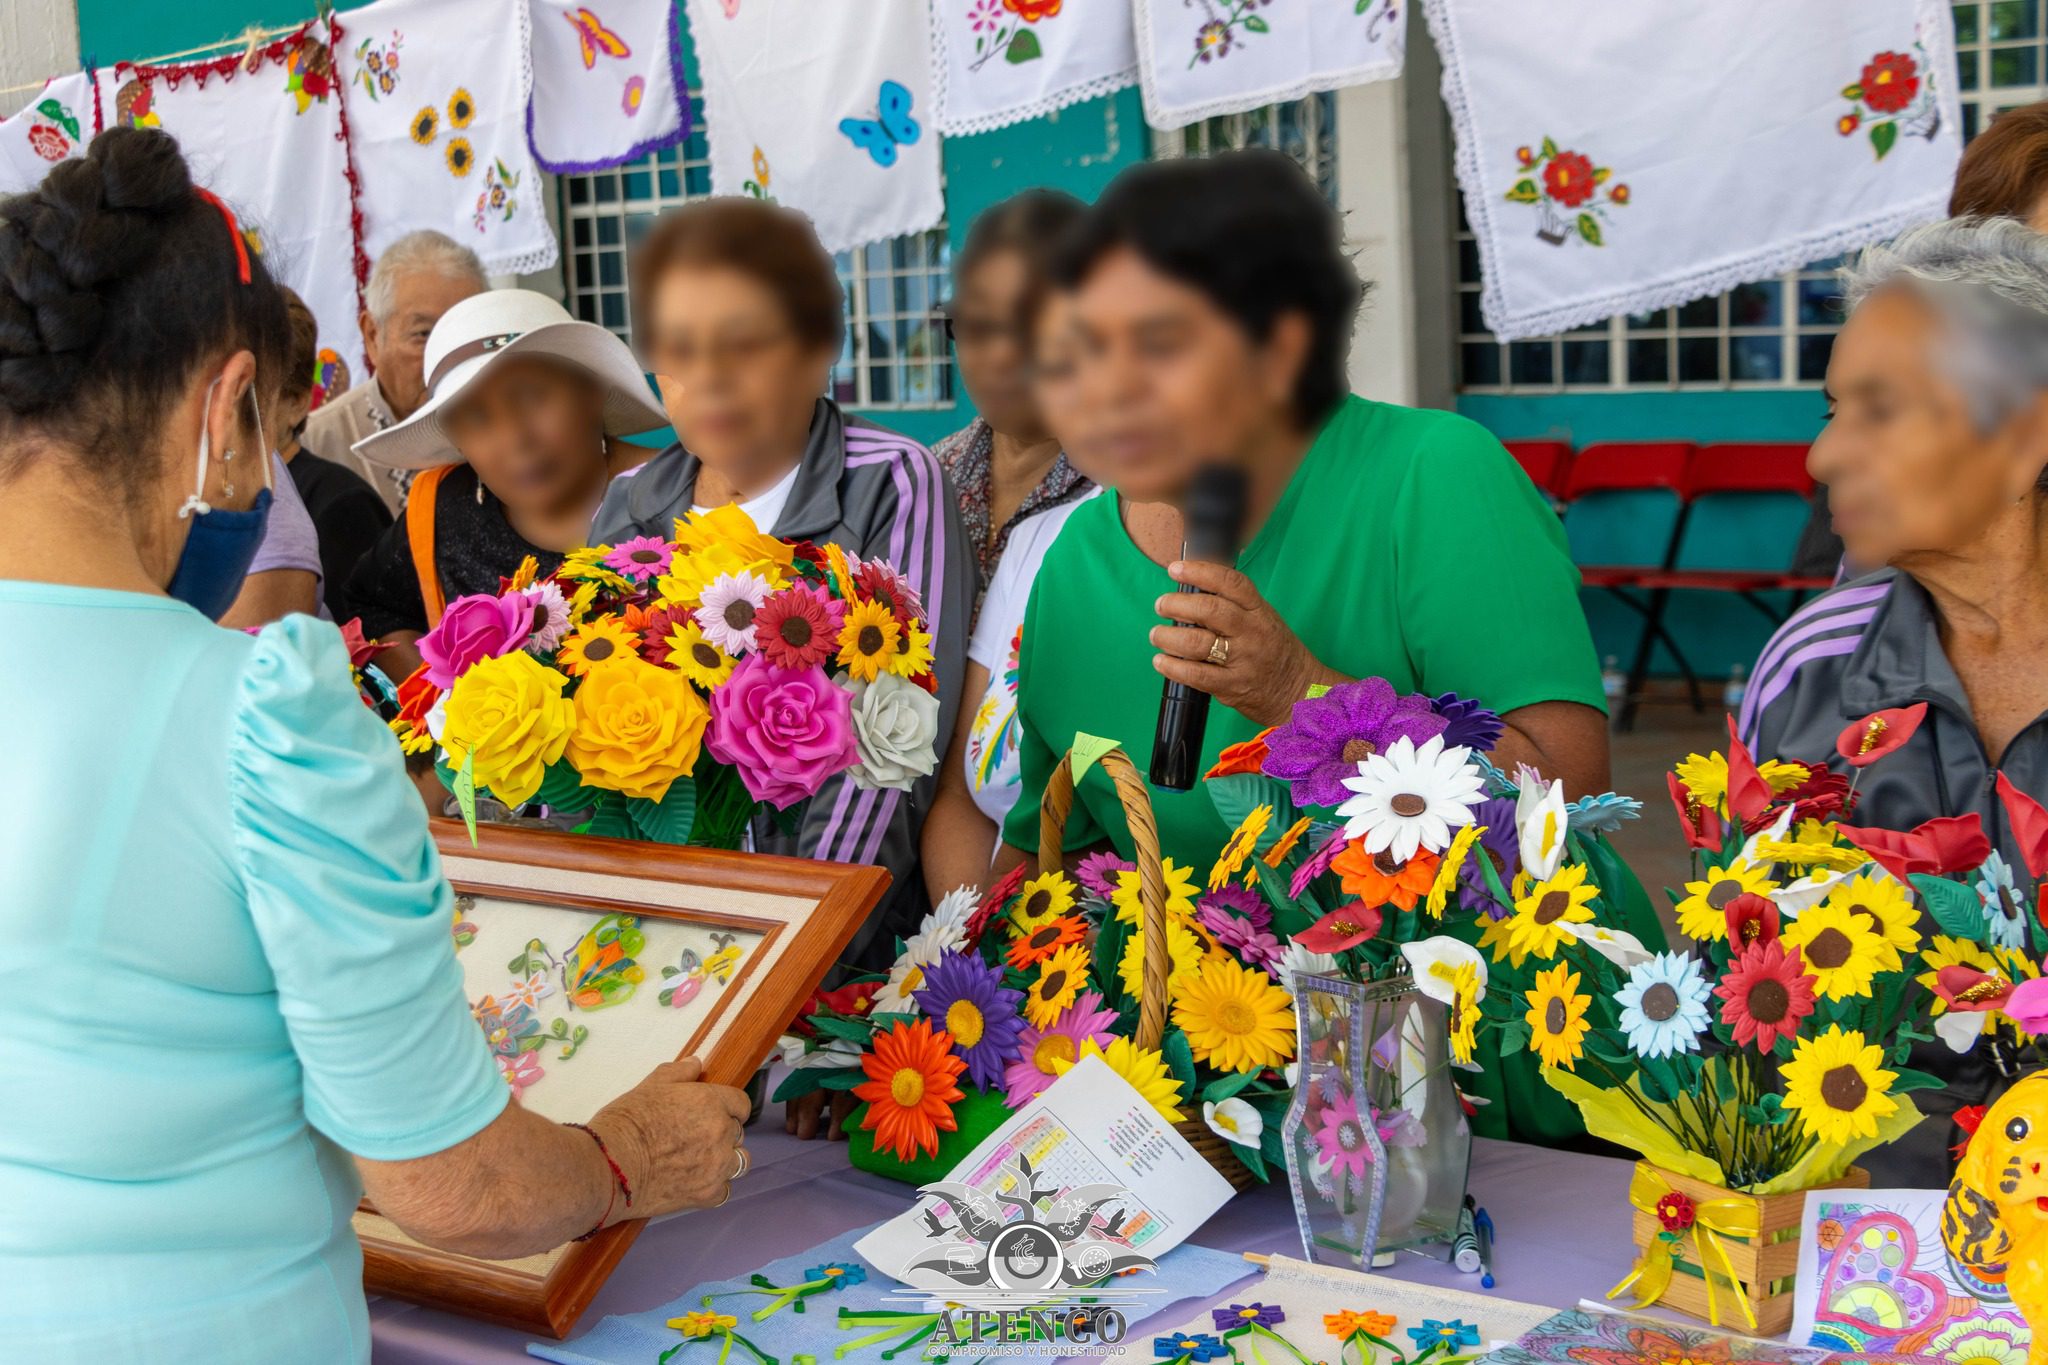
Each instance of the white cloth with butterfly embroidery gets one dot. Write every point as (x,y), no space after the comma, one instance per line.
(607,83)
(1618,157)
(823,108)
(268,143)
(997,62)
(53,126)
(1202,58)
(440,132)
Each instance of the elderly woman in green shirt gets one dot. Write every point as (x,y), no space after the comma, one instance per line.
(1214,303)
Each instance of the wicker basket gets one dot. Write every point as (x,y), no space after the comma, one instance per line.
(1132,791)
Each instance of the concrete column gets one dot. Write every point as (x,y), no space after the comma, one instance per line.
(1372,193)
(38,40)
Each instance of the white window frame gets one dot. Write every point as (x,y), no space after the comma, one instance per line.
(1305,129)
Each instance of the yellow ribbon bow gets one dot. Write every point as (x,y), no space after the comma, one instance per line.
(1732,1216)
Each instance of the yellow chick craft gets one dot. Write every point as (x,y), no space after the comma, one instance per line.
(1996,1217)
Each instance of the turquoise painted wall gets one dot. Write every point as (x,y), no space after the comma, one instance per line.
(1077,149)
(1583,418)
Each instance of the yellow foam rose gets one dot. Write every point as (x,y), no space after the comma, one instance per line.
(509,717)
(638,728)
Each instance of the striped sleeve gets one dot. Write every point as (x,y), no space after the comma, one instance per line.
(897,507)
(1829,627)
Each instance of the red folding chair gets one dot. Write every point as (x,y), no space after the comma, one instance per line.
(1545,462)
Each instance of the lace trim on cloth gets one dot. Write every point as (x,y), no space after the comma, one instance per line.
(1166,120)
(1671,289)
(1038,108)
(543,256)
(658,142)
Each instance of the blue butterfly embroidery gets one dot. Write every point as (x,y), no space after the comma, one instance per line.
(892,126)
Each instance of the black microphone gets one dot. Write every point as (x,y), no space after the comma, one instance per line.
(1212,520)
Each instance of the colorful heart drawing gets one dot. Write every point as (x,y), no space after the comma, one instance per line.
(1869,1282)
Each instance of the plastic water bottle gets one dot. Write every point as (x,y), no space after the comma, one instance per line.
(1736,689)
(1613,686)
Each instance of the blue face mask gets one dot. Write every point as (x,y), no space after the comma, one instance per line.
(221,543)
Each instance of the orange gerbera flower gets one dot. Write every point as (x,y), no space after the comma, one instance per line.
(912,1086)
(1345,1323)
(1247,757)
(1284,845)
(1377,879)
(1034,945)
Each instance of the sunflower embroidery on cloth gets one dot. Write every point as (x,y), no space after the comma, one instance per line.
(1571,194)
(1893,97)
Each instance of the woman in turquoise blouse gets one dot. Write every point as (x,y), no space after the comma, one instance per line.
(233,997)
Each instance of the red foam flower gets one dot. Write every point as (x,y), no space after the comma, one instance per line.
(1569,179)
(798,627)
(2029,822)
(1971,991)
(1345,927)
(360,650)
(1947,843)
(1702,825)
(1676,1211)
(1863,742)
(1820,797)
(994,899)
(1764,994)
(1749,796)
(1969,1118)
(416,697)
(1891,80)
(1248,756)
(1752,919)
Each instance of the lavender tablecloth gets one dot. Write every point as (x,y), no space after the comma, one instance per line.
(1563,1221)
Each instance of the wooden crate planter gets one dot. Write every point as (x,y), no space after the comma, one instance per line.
(1766,1267)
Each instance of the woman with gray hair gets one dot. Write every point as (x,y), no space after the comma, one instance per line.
(1934,456)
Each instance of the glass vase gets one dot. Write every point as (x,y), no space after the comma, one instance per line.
(1378,1147)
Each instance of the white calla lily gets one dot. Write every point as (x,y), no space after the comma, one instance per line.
(1618,946)
(1235,1121)
(1960,1029)
(1540,824)
(1793,898)
(1775,831)
(1434,962)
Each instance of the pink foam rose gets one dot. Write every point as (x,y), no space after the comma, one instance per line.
(784,730)
(473,629)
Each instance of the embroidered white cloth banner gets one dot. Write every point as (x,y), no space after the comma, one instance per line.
(825,108)
(267,142)
(436,93)
(996,62)
(607,78)
(54,125)
(1618,157)
(1201,58)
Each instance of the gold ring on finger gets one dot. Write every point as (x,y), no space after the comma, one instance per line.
(1219,651)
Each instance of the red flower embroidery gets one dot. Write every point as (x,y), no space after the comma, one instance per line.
(1890,82)
(50,144)
(1031,11)
(1675,1211)
(1569,179)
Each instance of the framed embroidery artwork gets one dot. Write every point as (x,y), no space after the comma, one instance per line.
(589,962)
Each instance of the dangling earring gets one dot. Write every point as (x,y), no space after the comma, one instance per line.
(479,492)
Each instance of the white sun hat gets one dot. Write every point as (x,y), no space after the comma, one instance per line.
(487,328)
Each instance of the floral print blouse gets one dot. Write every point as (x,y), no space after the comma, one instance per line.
(968,456)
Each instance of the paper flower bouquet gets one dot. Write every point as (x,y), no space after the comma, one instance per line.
(673,688)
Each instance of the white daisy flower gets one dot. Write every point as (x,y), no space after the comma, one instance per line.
(1411,798)
(550,617)
(2005,905)
(932,941)
(1434,964)
(1235,1121)
(953,911)
(1664,1005)
(725,611)
(1618,946)
(1540,823)
(1296,962)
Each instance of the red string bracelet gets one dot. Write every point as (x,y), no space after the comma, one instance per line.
(621,1184)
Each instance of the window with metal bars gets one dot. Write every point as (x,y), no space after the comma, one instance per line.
(1305,129)
(1771,334)
(895,352)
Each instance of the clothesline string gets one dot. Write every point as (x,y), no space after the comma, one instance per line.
(248,37)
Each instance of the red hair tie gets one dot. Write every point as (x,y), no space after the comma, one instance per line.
(234,232)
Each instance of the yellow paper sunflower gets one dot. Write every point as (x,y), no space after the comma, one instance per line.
(1807,854)
(1464,1011)
(1888,911)
(1180,893)
(732,529)
(913,653)
(581,601)
(1236,1017)
(1143,1067)
(1187,944)
(696,658)
(1702,914)
(1841,951)
(603,641)
(1838,1086)
(867,639)
(1060,979)
(1706,777)
(524,575)
(1043,939)
(1284,845)
(638,728)
(1447,870)
(1046,896)
(1557,1017)
(1538,925)
(586,565)
(507,716)
(1239,846)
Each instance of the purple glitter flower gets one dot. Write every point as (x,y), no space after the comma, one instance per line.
(1254,946)
(1231,901)
(1098,872)
(964,996)
(1328,736)
(1244,1314)
(1500,845)
(1468,723)
(1318,863)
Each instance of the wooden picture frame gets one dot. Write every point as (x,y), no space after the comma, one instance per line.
(793,917)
